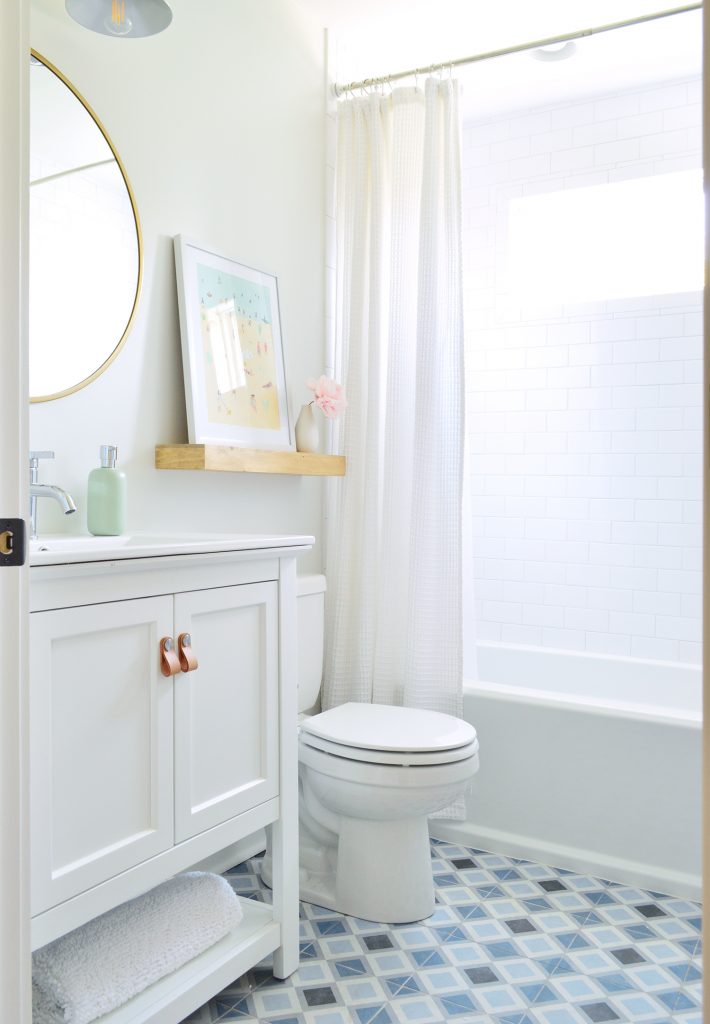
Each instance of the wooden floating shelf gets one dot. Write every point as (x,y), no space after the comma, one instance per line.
(223,459)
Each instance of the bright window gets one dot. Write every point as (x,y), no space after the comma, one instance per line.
(639,237)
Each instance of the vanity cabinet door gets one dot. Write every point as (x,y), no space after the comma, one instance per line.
(101,744)
(226,711)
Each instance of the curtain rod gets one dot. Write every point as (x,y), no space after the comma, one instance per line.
(567,37)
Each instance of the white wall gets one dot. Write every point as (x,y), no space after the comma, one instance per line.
(219,121)
(585,430)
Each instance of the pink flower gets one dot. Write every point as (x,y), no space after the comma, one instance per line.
(328,395)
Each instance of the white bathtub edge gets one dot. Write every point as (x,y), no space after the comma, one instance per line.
(615,869)
(604,684)
(587,705)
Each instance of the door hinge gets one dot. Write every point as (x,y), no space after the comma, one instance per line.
(13,542)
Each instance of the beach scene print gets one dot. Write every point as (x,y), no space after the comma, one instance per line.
(240,376)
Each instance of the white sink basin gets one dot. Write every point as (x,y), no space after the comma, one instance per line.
(42,544)
(63,549)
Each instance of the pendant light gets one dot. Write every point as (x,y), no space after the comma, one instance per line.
(125,19)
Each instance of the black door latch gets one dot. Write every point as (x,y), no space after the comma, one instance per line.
(13,542)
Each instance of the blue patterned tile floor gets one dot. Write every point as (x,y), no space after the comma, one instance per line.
(510,942)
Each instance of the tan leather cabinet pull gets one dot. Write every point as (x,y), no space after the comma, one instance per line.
(188,661)
(169,662)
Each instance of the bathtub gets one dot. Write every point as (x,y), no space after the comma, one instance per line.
(588,762)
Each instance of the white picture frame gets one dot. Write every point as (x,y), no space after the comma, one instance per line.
(232,351)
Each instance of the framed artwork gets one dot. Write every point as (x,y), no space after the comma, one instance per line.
(232,351)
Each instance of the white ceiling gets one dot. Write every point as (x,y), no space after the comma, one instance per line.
(377,37)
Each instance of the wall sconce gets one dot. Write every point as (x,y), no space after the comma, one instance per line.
(125,19)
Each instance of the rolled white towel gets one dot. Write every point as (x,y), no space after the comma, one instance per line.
(107,961)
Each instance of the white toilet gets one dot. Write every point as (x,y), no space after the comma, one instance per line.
(369,775)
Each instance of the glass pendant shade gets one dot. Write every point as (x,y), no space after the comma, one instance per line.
(130,19)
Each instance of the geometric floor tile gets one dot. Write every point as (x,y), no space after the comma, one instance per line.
(510,942)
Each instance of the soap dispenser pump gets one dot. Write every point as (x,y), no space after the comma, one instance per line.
(106,498)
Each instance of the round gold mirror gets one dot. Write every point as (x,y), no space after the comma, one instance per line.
(86,257)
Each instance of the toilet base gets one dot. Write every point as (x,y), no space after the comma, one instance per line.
(368,879)
(383,872)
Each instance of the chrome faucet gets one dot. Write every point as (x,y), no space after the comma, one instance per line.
(38,490)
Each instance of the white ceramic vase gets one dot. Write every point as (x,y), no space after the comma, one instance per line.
(307,439)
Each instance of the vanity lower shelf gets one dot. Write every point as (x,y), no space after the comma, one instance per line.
(178,994)
(224,459)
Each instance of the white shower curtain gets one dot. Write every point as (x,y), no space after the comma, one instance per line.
(394,521)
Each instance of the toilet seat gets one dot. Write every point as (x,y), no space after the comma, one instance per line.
(382,734)
(371,775)
(398,757)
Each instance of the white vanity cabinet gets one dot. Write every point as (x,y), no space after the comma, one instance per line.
(136,775)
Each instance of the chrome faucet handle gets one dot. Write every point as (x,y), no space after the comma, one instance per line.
(34,469)
(36,456)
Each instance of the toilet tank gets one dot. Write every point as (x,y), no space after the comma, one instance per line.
(311,632)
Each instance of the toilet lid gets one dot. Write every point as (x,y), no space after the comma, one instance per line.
(394,730)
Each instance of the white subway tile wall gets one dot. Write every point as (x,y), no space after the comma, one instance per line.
(584,430)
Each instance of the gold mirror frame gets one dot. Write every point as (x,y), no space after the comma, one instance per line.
(139,237)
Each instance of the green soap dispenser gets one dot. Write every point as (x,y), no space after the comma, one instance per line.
(106,498)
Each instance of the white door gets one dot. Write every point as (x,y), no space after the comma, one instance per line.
(101,741)
(226,711)
(15,1002)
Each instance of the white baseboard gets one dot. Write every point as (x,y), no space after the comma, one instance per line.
(588,862)
(235,854)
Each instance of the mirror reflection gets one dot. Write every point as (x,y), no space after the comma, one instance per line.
(85,257)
